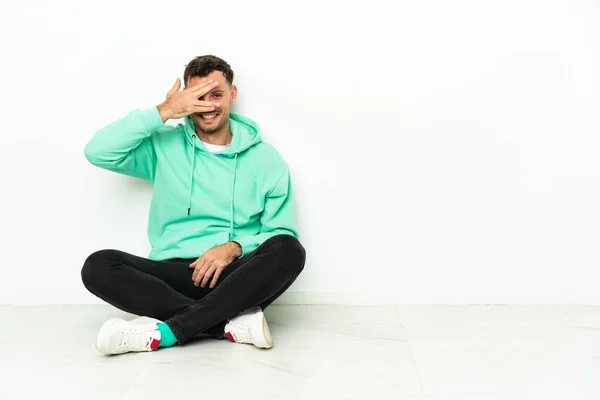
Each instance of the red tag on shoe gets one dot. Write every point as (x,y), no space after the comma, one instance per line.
(154,344)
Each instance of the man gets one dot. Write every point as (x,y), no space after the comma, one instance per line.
(221,224)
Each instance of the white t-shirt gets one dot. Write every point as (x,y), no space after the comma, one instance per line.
(215,148)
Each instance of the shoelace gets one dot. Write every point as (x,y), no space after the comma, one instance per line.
(136,340)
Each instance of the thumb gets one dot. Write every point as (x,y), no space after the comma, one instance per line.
(175,87)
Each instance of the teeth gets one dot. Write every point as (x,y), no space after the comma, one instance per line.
(209,116)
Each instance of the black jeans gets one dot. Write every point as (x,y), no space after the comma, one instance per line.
(164,289)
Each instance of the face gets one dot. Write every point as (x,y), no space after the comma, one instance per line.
(223,94)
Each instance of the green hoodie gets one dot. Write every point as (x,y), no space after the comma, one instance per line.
(200,200)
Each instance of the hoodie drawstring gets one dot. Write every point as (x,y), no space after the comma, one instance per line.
(232,193)
(231,214)
(193,148)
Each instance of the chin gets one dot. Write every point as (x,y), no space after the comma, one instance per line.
(209,131)
(212,127)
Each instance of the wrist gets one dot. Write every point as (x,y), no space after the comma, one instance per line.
(236,249)
(164,111)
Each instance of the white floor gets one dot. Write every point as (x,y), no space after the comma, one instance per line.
(321,352)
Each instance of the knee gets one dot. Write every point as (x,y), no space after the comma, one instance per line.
(94,265)
(290,248)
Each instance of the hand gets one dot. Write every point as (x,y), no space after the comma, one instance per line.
(213,262)
(180,104)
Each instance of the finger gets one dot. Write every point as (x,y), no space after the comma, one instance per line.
(198,275)
(199,109)
(207,276)
(201,103)
(203,88)
(204,82)
(200,271)
(196,261)
(216,277)
(175,87)
(197,268)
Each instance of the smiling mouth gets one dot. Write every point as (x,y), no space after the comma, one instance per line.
(208,117)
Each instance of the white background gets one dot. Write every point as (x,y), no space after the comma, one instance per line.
(441,151)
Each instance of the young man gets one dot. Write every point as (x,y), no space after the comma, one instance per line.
(221,224)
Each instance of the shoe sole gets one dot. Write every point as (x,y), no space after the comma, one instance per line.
(261,332)
(106,330)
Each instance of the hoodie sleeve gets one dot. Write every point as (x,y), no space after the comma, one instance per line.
(277,218)
(124,146)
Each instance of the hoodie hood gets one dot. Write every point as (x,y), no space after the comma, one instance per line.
(245,134)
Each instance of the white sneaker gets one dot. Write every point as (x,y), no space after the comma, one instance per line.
(118,336)
(147,319)
(250,327)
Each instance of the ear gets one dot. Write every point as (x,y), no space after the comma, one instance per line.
(233,94)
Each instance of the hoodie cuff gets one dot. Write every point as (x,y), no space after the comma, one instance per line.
(152,120)
(248,245)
